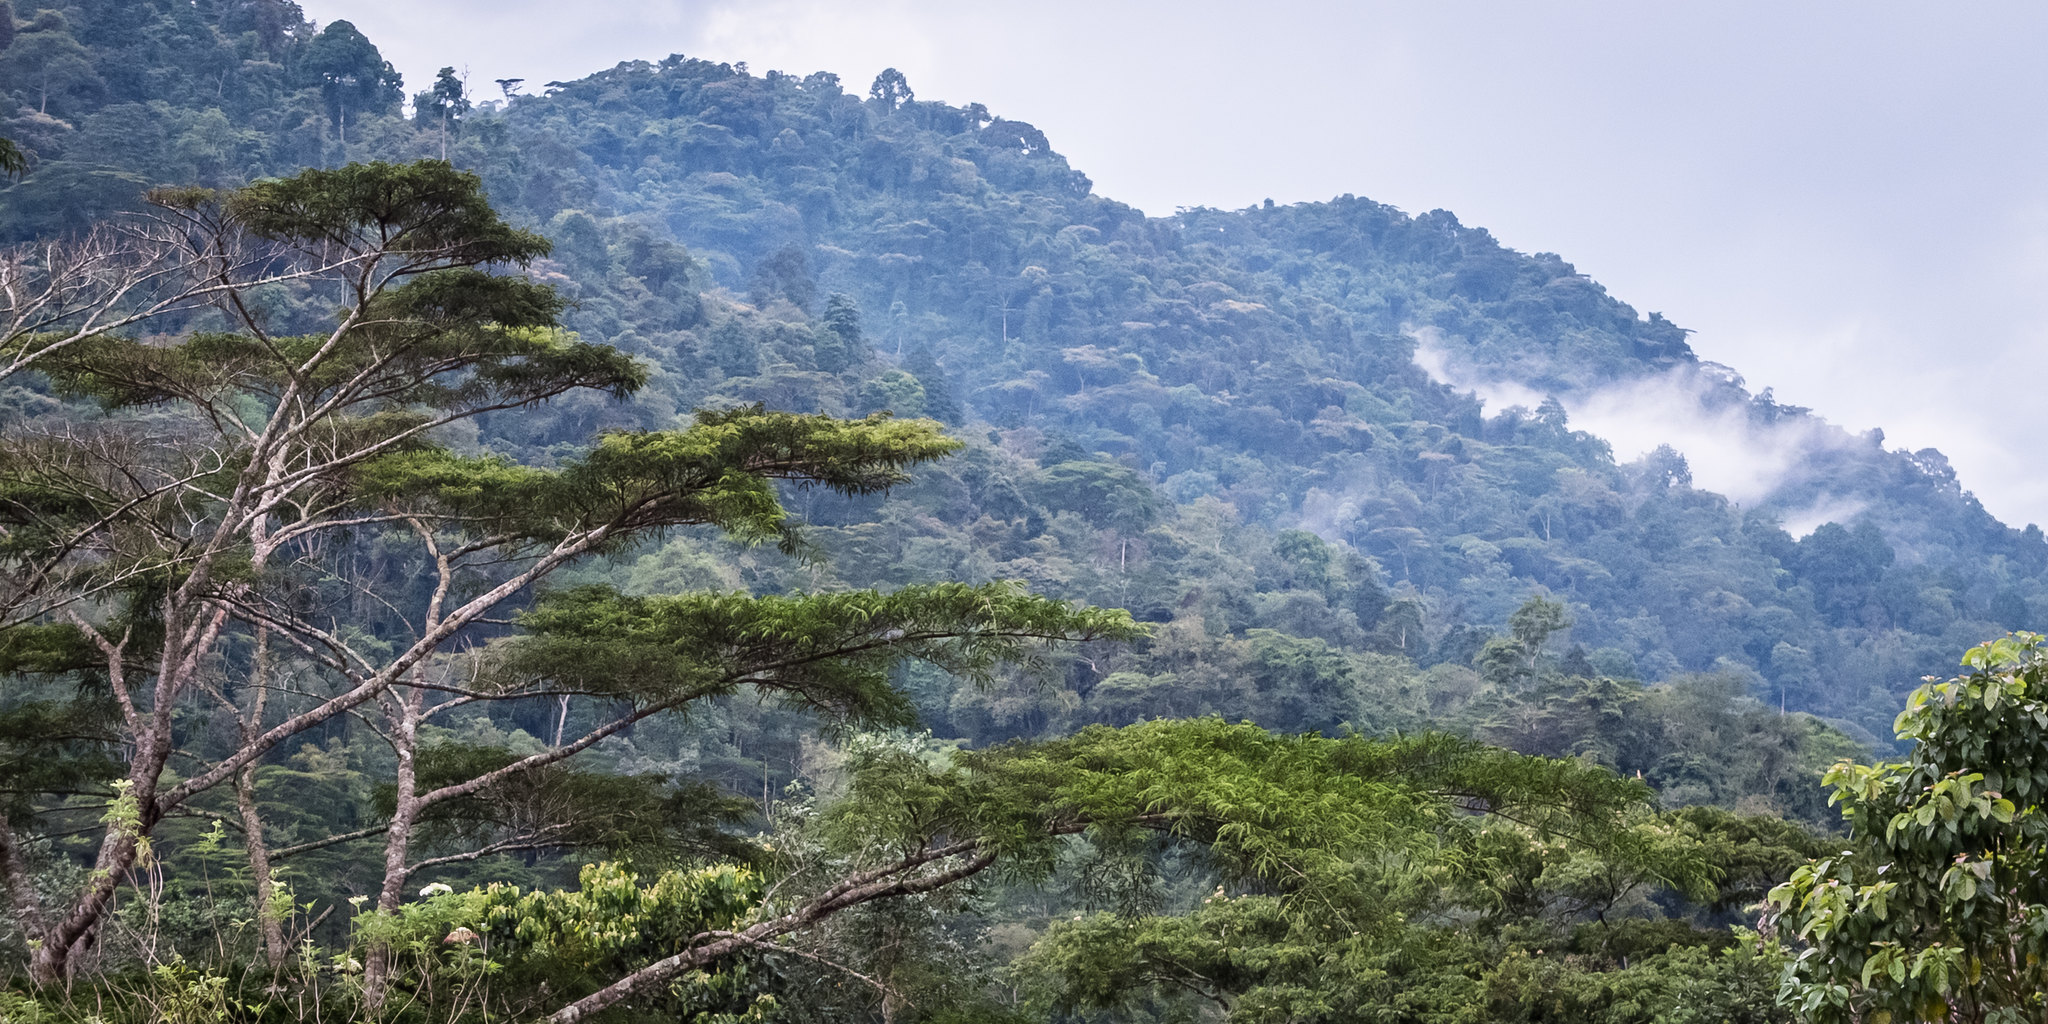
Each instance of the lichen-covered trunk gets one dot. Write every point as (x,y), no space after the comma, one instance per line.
(397,842)
(132,818)
(269,920)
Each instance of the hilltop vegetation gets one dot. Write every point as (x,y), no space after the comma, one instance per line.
(710,290)
(705,217)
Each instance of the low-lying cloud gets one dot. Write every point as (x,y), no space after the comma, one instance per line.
(1700,410)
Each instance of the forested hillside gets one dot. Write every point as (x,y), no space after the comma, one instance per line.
(1263,358)
(707,288)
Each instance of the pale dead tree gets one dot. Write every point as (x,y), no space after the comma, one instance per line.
(226,453)
(827,654)
(184,543)
(179,257)
(197,516)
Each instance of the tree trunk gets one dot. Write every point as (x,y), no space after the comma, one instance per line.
(133,817)
(268,921)
(53,961)
(397,841)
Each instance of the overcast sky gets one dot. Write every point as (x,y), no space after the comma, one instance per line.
(1847,201)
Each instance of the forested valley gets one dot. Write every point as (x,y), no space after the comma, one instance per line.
(688,544)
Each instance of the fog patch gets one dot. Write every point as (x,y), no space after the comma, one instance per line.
(1741,447)
(1728,448)
(1828,508)
(1437,361)
(1327,515)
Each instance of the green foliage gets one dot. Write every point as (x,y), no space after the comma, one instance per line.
(1938,909)
(644,820)
(1244,956)
(1101,492)
(829,654)
(13,160)
(1335,856)
(509,952)
(444,103)
(353,77)
(719,471)
(1260,357)
(1213,419)
(1697,740)
(1292,810)
(427,207)
(44,64)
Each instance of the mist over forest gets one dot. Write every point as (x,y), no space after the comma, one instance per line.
(690,544)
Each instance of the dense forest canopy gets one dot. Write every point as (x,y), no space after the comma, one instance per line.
(651,547)
(1263,358)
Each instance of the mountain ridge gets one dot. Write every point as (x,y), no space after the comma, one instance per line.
(1263,359)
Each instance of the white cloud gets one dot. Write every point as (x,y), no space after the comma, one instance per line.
(1848,209)
(1496,395)
(1827,508)
(856,41)
(1729,452)
(1687,407)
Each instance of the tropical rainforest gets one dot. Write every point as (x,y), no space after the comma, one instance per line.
(688,544)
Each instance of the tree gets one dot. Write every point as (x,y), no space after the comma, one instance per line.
(1309,560)
(840,343)
(1305,817)
(1103,492)
(786,274)
(200,532)
(1536,620)
(827,654)
(1937,910)
(353,77)
(13,160)
(44,62)
(894,391)
(444,104)
(1844,565)
(153,555)
(891,89)
(1518,656)
(938,397)
(179,257)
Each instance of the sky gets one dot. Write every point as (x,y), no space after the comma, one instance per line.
(1847,202)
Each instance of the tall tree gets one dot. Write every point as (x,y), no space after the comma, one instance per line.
(827,654)
(840,344)
(45,63)
(891,89)
(196,519)
(1307,819)
(444,105)
(352,76)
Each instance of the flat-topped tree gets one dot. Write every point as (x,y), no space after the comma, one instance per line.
(146,271)
(1325,828)
(203,534)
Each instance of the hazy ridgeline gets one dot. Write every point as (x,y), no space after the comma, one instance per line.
(1260,431)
